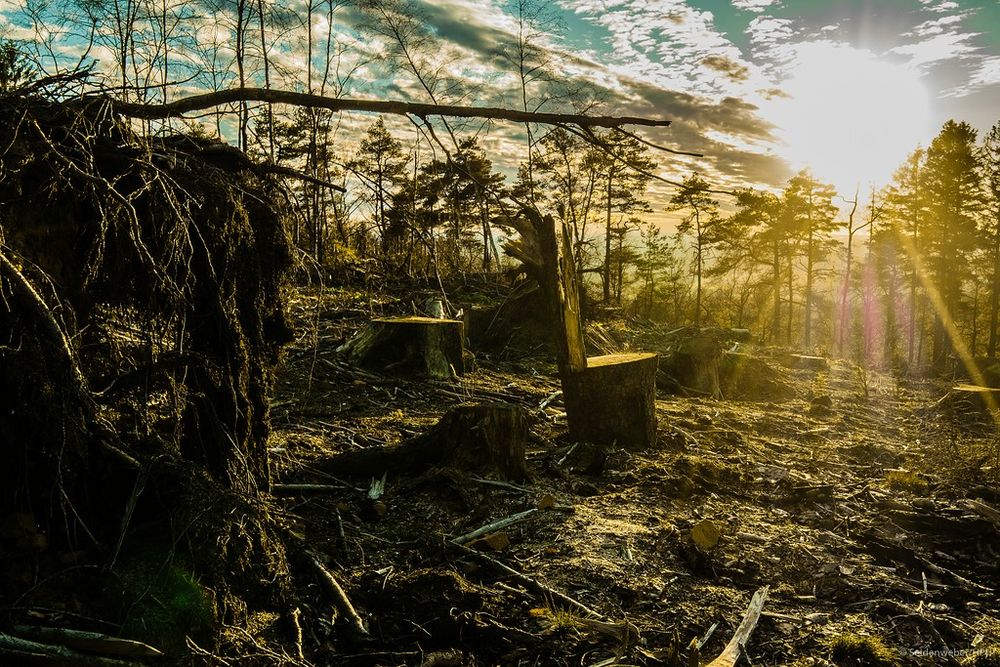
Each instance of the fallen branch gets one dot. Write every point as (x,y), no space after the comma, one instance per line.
(90,642)
(296,489)
(17,651)
(495,526)
(340,599)
(210,100)
(736,646)
(544,590)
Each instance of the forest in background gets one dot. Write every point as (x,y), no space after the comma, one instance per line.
(905,277)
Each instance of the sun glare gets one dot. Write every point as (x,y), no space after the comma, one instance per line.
(849,116)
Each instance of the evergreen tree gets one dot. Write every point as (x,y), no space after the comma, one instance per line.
(951,184)
(379,163)
(810,210)
(991,228)
(702,224)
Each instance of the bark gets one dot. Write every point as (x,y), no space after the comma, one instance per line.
(613,400)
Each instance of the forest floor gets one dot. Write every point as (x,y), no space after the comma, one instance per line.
(867,519)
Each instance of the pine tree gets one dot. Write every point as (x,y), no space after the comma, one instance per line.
(952,186)
(702,224)
(809,205)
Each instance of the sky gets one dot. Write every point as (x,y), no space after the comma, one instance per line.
(761,87)
(766,87)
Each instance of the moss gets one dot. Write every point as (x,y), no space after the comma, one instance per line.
(165,603)
(904,480)
(862,651)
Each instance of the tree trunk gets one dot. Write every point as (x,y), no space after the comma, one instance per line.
(409,345)
(809,291)
(613,400)
(991,349)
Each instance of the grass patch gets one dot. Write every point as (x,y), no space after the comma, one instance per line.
(904,480)
(862,651)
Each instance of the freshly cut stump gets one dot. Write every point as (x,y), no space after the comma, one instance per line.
(422,346)
(486,438)
(613,400)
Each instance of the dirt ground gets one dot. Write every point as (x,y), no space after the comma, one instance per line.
(867,513)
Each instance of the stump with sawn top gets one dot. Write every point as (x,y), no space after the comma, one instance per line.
(421,346)
(613,400)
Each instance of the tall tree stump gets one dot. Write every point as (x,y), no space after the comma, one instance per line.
(423,346)
(487,438)
(613,400)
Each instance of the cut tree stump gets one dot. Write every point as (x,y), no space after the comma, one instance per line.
(970,398)
(695,365)
(807,362)
(613,400)
(423,346)
(486,438)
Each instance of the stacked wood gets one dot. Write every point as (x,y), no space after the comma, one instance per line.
(488,438)
(423,346)
(613,400)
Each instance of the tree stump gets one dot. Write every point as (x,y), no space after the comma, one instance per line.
(423,346)
(807,362)
(613,400)
(487,438)
(695,365)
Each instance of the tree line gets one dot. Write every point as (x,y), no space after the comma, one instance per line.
(909,277)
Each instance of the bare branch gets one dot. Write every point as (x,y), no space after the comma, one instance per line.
(209,100)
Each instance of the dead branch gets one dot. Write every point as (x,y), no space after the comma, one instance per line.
(543,589)
(340,599)
(209,100)
(494,526)
(25,652)
(734,649)
(90,642)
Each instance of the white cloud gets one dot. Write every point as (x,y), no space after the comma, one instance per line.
(946,46)
(753,5)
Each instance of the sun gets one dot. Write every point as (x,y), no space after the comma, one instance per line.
(849,116)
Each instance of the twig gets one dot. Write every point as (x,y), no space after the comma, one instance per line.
(495,526)
(539,587)
(293,489)
(340,599)
(501,484)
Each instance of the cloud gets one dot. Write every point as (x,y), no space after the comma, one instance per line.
(753,5)
(727,66)
(987,73)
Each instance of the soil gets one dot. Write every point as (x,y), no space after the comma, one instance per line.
(861,503)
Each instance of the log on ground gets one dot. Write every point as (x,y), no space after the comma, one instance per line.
(486,438)
(613,400)
(422,346)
